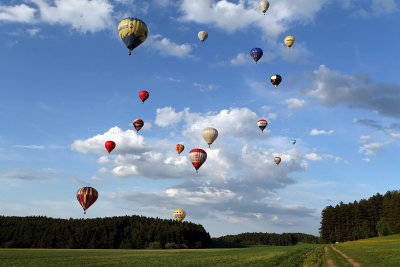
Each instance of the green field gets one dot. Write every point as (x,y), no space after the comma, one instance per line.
(379,251)
(299,255)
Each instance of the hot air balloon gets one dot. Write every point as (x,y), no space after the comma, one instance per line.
(294,141)
(264,5)
(138,124)
(277,160)
(289,41)
(143,95)
(256,54)
(179,215)
(276,79)
(262,124)
(133,32)
(86,197)
(179,148)
(210,134)
(110,145)
(197,156)
(203,35)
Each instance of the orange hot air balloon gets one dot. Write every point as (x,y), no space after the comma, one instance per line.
(179,148)
(110,145)
(143,95)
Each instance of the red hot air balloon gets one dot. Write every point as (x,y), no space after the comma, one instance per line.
(86,197)
(110,145)
(179,148)
(138,124)
(143,95)
(262,124)
(197,156)
(277,160)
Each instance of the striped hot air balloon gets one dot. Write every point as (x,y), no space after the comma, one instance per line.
(179,215)
(262,124)
(210,134)
(179,148)
(138,124)
(86,197)
(197,156)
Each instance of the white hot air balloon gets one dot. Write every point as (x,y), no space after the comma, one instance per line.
(264,5)
(203,35)
(210,134)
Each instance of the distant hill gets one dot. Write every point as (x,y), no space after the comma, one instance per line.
(100,233)
(379,215)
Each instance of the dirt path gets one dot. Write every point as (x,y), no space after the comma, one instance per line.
(354,263)
(329,262)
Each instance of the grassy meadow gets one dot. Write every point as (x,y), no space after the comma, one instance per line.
(378,251)
(298,255)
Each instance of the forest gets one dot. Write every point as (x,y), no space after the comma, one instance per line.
(377,216)
(128,232)
(273,239)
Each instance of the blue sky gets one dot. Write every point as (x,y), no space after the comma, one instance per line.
(68,85)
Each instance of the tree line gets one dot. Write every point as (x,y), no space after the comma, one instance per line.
(127,232)
(284,239)
(379,215)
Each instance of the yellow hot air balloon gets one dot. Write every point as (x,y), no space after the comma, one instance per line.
(264,5)
(289,41)
(210,134)
(179,148)
(133,32)
(179,215)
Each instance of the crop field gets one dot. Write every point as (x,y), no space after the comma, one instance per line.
(298,255)
(379,251)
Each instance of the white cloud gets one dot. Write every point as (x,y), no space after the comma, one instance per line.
(319,132)
(33,32)
(295,103)
(365,138)
(205,88)
(39,147)
(395,135)
(167,116)
(367,159)
(312,156)
(18,13)
(373,148)
(224,15)
(241,59)
(127,142)
(166,47)
(28,174)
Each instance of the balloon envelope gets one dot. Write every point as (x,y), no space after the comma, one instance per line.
(210,134)
(138,124)
(143,95)
(293,141)
(256,54)
(179,215)
(179,148)
(264,5)
(133,32)
(203,35)
(276,79)
(110,145)
(277,160)
(86,197)
(197,156)
(262,124)
(289,41)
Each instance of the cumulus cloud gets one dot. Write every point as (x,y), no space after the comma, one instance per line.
(18,13)
(319,132)
(168,48)
(295,103)
(167,116)
(224,15)
(127,142)
(312,156)
(332,88)
(240,59)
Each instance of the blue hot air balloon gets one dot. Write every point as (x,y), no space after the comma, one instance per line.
(256,54)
